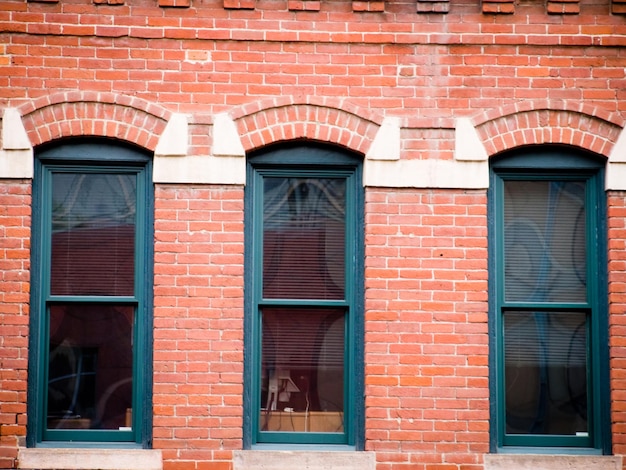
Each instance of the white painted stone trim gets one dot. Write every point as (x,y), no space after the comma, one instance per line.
(14,135)
(175,137)
(551,462)
(616,165)
(468,170)
(16,153)
(226,140)
(172,164)
(467,143)
(426,174)
(199,169)
(90,459)
(386,144)
(303,460)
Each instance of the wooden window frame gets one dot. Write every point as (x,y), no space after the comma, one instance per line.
(552,164)
(305,160)
(91,156)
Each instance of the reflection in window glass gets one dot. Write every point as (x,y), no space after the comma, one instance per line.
(545,243)
(93,234)
(90,366)
(304,238)
(546,373)
(302,375)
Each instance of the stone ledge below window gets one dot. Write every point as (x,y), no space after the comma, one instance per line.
(303,460)
(88,459)
(551,462)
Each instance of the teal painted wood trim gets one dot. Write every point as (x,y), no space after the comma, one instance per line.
(314,161)
(91,156)
(547,164)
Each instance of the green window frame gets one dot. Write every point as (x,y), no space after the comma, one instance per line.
(90,357)
(281,323)
(548,311)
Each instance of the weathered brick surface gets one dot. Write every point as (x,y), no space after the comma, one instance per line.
(15,202)
(617,325)
(330,71)
(426,337)
(198,323)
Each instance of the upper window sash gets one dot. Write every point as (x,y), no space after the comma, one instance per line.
(527,232)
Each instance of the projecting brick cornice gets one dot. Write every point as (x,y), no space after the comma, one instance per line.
(549,122)
(433,6)
(618,7)
(287,118)
(505,7)
(553,7)
(94,114)
(303,5)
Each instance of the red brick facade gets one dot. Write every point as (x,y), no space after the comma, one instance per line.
(523,73)
(14,313)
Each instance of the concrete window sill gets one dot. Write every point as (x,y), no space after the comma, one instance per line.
(87,459)
(303,460)
(551,462)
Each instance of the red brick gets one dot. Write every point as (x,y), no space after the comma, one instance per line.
(240,4)
(175,3)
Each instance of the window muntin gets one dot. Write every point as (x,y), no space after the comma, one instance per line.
(304,281)
(89,360)
(548,292)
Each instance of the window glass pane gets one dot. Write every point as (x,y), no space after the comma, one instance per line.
(304,238)
(544,238)
(90,366)
(546,373)
(302,371)
(93,233)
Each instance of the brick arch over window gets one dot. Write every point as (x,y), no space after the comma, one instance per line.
(549,122)
(94,114)
(327,120)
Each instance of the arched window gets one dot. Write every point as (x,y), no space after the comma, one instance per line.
(90,320)
(304,290)
(548,293)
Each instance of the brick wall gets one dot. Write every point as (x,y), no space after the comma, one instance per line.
(198,325)
(617,301)
(14,292)
(426,328)
(331,70)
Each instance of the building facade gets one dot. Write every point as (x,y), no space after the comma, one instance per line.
(272,234)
